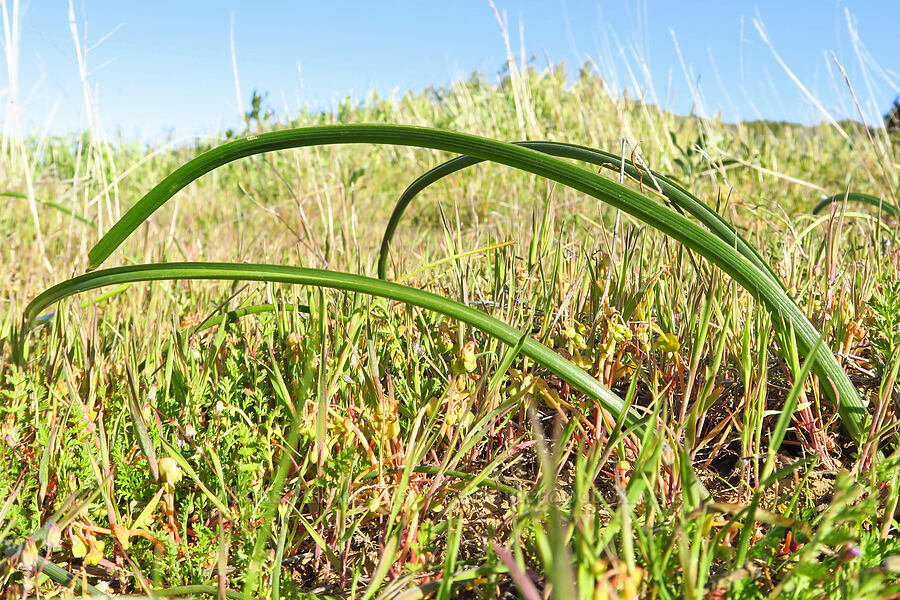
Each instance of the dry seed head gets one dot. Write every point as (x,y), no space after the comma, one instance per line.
(54,533)
(29,554)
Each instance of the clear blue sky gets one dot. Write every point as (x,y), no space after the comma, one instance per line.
(166,66)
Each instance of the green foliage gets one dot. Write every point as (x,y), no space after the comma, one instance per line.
(885,306)
(326,441)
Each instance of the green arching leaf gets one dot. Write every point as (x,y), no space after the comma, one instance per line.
(836,384)
(885,207)
(680,197)
(477,148)
(542,355)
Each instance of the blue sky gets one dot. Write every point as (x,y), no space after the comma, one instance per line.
(160,67)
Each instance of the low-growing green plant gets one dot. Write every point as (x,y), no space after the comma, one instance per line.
(199,438)
(717,246)
(653,457)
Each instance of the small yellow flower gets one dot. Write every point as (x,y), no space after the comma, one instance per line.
(618,329)
(467,361)
(668,342)
(169,471)
(444,341)
(95,553)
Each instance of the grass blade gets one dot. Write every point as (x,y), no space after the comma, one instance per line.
(51,204)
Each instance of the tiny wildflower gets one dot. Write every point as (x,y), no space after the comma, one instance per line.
(169,471)
(668,342)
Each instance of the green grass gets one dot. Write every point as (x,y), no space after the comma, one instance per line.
(579,384)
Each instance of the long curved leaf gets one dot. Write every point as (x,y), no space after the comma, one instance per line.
(679,196)
(885,207)
(835,381)
(539,353)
